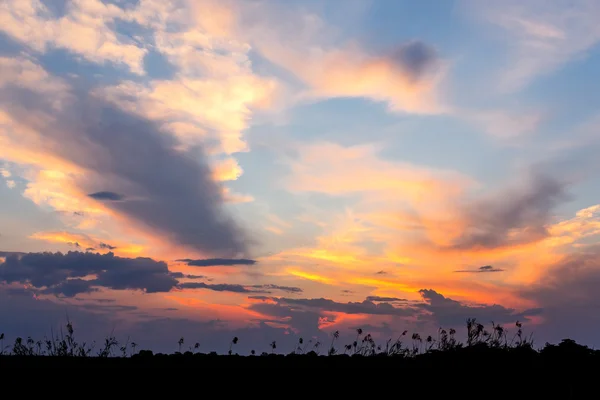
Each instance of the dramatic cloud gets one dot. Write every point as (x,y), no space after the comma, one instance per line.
(75,272)
(484,269)
(448,312)
(130,155)
(519,216)
(110,196)
(213,262)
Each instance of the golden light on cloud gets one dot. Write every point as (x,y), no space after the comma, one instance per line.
(84,242)
(310,276)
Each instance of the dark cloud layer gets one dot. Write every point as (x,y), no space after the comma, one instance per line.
(214,262)
(364,307)
(219,287)
(518,216)
(448,312)
(76,272)
(484,269)
(386,299)
(228,287)
(110,196)
(166,190)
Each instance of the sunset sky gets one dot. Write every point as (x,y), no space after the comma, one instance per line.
(284,169)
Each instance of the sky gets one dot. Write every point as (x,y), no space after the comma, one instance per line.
(281,169)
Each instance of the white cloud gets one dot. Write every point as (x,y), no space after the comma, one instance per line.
(85,30)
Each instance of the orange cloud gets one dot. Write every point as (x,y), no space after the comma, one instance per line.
(333,169)
(83,242)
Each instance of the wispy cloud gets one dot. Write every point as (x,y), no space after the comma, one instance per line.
(542,36)
(484,269)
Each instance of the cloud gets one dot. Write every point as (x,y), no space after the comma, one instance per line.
(181,275)
(289,289)
(568,292)
(128,154)
(448,312)
(519,216)
(110,196)
(228,287)
(364,307)
(219,287)
(76,272)
(383,299)
(84,30)
(213,262)
(330,168)
(71,288)
(405,76)
(94,320)
(543,36)
(89,242)
(484,269)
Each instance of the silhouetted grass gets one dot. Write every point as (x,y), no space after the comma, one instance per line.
(494,351)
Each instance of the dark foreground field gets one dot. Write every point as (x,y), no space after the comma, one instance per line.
(490,363)
(567,356)
(564,371)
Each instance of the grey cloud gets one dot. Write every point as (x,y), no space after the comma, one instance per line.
(364,307)
(262,298)
(106,246)
(169,191)
(517,216)
(289,289)
(5,254)
(57,272)
(219,287)
(385,299)
(484,269)
(71,288)
(110,196)
(415,59)
(448,312)
(181,275)
(568,293)
(227,287)
(214,262)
